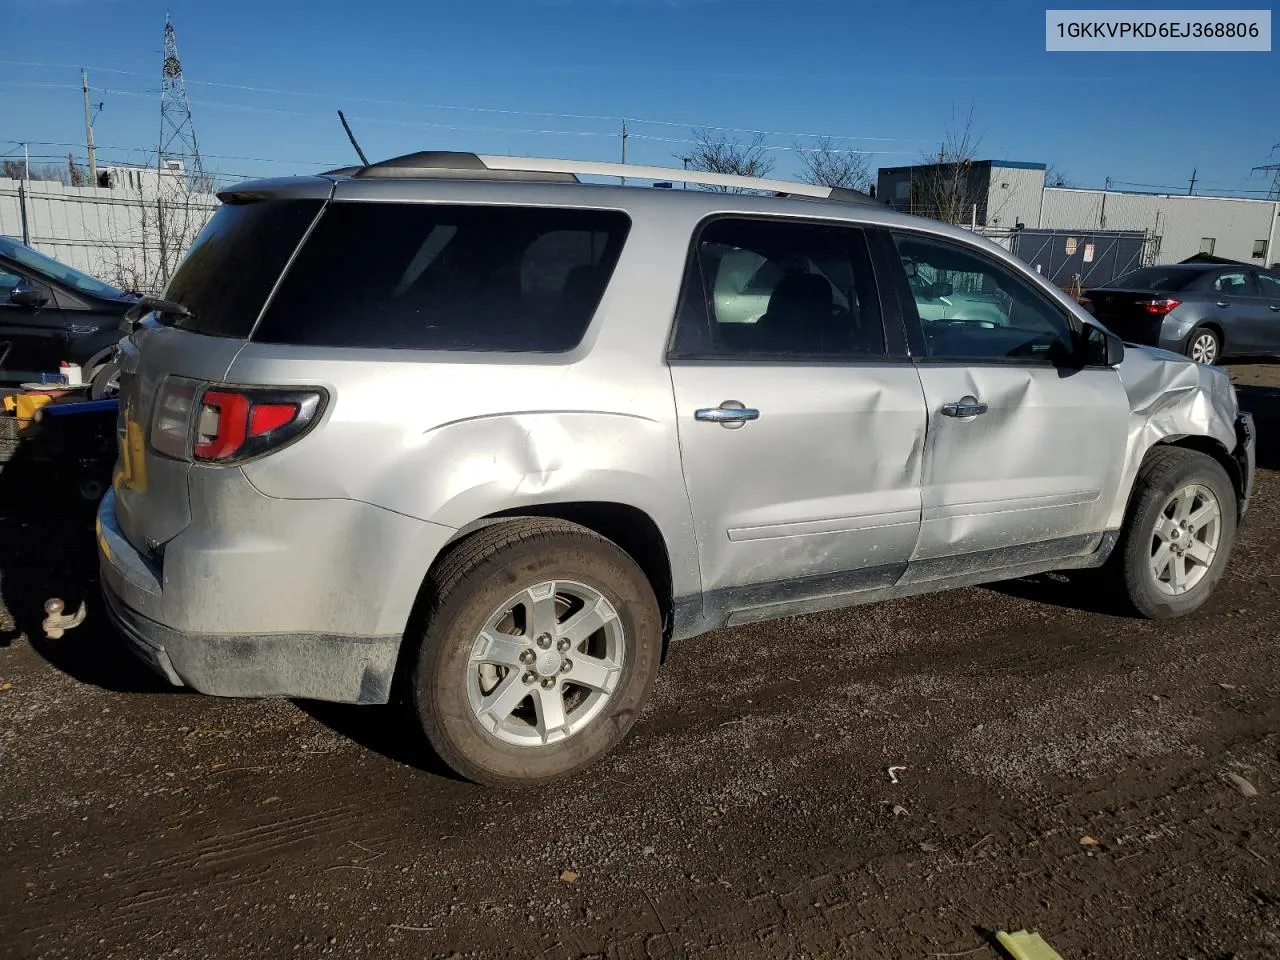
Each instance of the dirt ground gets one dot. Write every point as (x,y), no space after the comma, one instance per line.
(1060,767)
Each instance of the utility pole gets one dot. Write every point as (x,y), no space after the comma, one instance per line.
(1192,189)
(88,129)
(624,148)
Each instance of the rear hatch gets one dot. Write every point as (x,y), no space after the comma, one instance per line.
(224,281)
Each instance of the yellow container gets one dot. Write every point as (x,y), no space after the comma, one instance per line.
(25,405)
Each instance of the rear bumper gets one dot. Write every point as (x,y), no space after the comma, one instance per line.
(340,669)
(268,597)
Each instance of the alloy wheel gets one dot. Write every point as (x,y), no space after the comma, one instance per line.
(546,663)
(1186,539)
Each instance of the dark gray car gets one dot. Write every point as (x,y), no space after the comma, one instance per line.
(1207,311)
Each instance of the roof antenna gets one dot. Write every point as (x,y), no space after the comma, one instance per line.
(352,137)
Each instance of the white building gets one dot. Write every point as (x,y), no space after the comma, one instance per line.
(1003,196)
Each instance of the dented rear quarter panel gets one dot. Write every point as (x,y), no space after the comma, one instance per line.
(451,438)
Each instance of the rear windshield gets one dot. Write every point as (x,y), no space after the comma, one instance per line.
(442,277)
(236,260)
(1156,278)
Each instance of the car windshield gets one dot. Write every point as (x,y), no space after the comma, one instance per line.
(68,276)
(1157,278)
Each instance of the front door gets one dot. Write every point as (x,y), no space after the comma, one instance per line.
(801,427)
(31,338)
(1256,316)
(1025,450)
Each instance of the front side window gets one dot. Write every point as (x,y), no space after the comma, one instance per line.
(1270,285)
(973,308)
(421,276)
(773,289)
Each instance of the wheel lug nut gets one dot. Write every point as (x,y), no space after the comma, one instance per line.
(562,644)
(529,676)
(566,665)
(544,641)
(548,683)
(527,656)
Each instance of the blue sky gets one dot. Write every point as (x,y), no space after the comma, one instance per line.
(890,76)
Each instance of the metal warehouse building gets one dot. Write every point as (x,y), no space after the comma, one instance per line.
(1083,235)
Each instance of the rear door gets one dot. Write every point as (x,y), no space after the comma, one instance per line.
(1269,288)
(1244,314)
(1024,451)
(801,422)
(224,281)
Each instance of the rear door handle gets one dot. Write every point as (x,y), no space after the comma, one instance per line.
(1275,307)
(964,409)
(732,414)
(1224,303)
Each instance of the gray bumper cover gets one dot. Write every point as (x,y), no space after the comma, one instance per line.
(339,669)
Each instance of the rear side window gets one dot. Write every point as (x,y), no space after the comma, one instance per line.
(441,277)
(236,260)
(774,290)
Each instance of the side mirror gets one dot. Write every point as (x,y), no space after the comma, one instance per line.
(25,295)
(1101,348)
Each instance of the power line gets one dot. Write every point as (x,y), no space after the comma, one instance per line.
(602,118)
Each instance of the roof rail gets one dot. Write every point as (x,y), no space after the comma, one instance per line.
(472,166)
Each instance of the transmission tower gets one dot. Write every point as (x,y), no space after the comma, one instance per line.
(1274,192)
(179,169)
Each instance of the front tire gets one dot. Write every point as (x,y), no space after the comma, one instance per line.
(1204,346)
(542,644)
(1179,533)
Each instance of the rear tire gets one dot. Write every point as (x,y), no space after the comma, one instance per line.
(1174,547)
(1204,346)
(508,687)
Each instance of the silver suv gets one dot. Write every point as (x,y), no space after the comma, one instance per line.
(469,432)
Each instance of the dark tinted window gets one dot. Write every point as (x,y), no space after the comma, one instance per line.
(1269,285)
(1157,278)
(434,277)
(766,289)
(973,308)
(234,263)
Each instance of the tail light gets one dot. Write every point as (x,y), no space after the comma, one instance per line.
(218,424)
(1158,308)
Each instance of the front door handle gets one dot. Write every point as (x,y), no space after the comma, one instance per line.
(964,409)
(732,414)
(1275,307)
(1224,303)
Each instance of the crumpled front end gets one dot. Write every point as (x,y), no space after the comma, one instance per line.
(1172,399)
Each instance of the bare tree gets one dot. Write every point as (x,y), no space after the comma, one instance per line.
(946,186)
(164,216)
(1055,176)
(76,175)
(17,170)
(717,153)
(828,165)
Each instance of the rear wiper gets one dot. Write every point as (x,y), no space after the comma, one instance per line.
(146,305)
